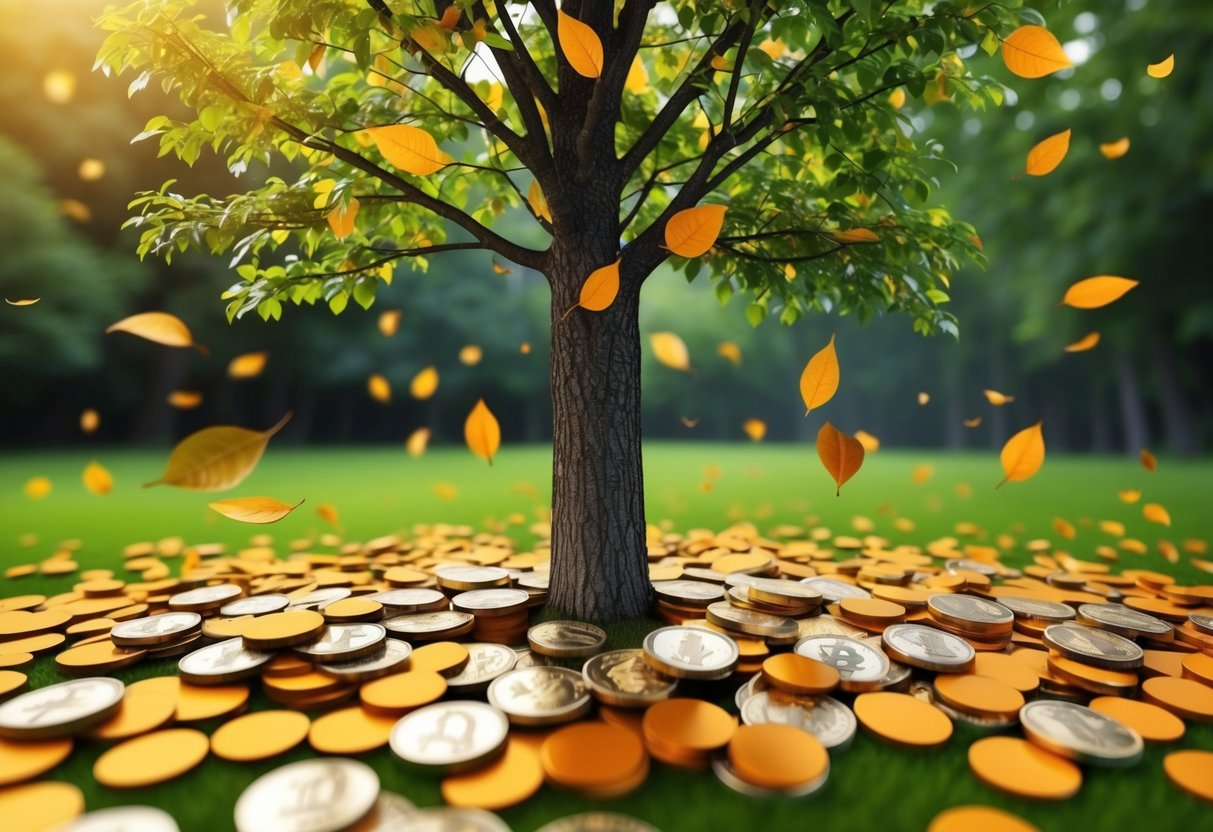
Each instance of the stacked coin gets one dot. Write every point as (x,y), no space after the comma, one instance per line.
(501,615)
(984,624)
(679,601)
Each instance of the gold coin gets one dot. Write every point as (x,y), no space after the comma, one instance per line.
(507,781)
(259,735)
(978,695)
(445,657)
(684,731)
(1191,771)
(21,761)
(794,673)
(630,718)
(1182,697)
(15,659)
(1020,768)
(224,628)
(402,692)
(775,756)
(305,683)
(873,609)
(740,563)
(32,644)
(11,681)
(592,756)
(145,707)
(283,629)
(38,806)
(903,719)
(21,602)
(985,818)
(98,657)
(353,609)
(350,731)
(196,703)
(1006,668)
(287,664)
(20,623)
(1198,666)
(1095,679)
(151,758)
(1152,722)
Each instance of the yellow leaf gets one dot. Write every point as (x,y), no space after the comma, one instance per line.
(248,365)
(897,98)
(840,454)
(1064,528)
(690,424)
(973,423)
(690,233)
(539,205)
(720,63)
(341,219)
(424,384)
(1148,460)
(22,301)
(316,57)
(1116,149)
(431,37)
(638,78)
(482,432)
(1047,155)
(1086,342)
(1155,513)
(417,442)
(819,380)
(670,350)
(924,398)
(775,49)
(730,352)
(389,322)
(1169,551)
(1033,52)
(525,348)
(997,399)
(856,235)
(379,388)
(1095,292)
(160,327)
(97,479)
(470,355)
(1129,497)
(1023,454)
(580,45)
(409,148)
(756,429)
(36,488)
(500,269)
(89,420)
(1163,68)
(1112,527)
(445,491)
(217,458)
(328,514)
(921,473)
(255,509)
(600,288)
(184,399)
(870,443)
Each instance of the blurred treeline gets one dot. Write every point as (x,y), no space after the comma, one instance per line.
(1145,216)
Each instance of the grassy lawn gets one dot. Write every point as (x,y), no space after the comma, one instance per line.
(381,490)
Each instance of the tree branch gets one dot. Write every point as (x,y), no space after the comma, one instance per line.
(747,38)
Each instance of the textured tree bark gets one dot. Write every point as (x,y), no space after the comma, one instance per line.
(599,561)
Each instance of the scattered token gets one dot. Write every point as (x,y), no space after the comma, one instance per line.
(350,731)
(283,629)
(1152,722)
(832,722)
(60,710)
(151,758)
(344,642)
(13,660)
(1006,668)
(622,678)
(350,789)
(42,805)
(1199,666)
(861,667)
(1078,732)
(451,736)
(1191,771)
(98,657)
(1185,698)
(145,707)
(508,781)
(197,703)
(24,760)
(259,735)
(402,692)
(447,658)
(985,818)
(903,719)
(781,757)
(793,673)
(538,696)
(11,683)
(122,818)
(684,732)
(566,639)
(982,696)
(1022,769)
(594,758)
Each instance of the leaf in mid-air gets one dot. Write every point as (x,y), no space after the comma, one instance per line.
(184,399)
(924,398)
(389,322)
(1048,154)
(1086,342)
(22,301)
(482,432)
(1148,460)
(328,513)
(692,232)
(1023,454)
(580,45)
(470,355)
(1095,292)
(248,365)
(1155,513)
(1033,52)
(1163,68)
(254,509)
(216,458)
(36,488)
(379,388)
(840,454)
(819,380)
(424,384)
(870,443)
(1116,149)
(997,399)
(417,442)
(670,350)
(160,327)
(729,352)
(97,478)
(756,429)
(90,420)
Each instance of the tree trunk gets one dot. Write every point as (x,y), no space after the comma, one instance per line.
(599,556)
(1132,409)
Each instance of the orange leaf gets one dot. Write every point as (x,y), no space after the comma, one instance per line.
(819,381)
(689,423)
(756,429)
(327,513)
(22,301)
(580,45)
(670,350)
(856,235)
(1116,149)
(1163,68)
(1033,52)
(730,352)
(97,479)
(1148,460)
(1023,454)
(389,322)
(997,399)
(921,474)
(341,219)
(36,488)
(600,288)
(248,365)
(1155,513)
(254,509)
(973,423)
(924,398)
(1095,292)
(424,384)
(470,355)
(538,202)
(1047,155)
(692,232)
(409,148)
(482,432)
(1086,342)
(417,442)
(870,443)
(1129,497)
(840,454)
(89,420)
(184,399)
(160,327)
(379,388)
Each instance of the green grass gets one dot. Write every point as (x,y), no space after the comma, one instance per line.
(377,491)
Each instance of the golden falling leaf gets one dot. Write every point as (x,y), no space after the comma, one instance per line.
(670,350)
(924,398)
(820,377)
(539,206)
(870,443)
(417,442)
(730,352)
(248,365)
(1148,460)
(1033,52)
(341,218)
(756,429)
(856,235)
(424,384)
(254,509)
(1023,454)
(1155,513)
(22,301)
(389,322)
(1163,68)
(690,233)
(580,45)
(525,348)
(409,148)
(997,399)
(1044,158)
(600,288)
(160,327)
(973,423)
(637,81)
(470,355)
(500,269)
(97,478)
(1116,149)
(37,488)
(379,389)
(1064,528)
(1128,497)
(922,473)
(90,420)
(1169,551)
(1086,342)
(1094,292)
(328,514)
(184,399)
(445,491)
(482,433)
(897,98)
(689,423)
(840,454)
(1112,527)
(216,458)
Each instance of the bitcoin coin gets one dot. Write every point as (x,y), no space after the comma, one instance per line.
(834,591)
(860,666)
(1096,647)
(490,603)
(454,736)
(344,643)
(155,629)
(694,593)
(469,578)
(566,639)
(1123,621)
(255,605)
(832,722)
(322,795)
(1080,733)
(486,661)
(389,657)
(691,653)
(431,626)
(623,678)
(928,648)
(1037,609)
(540,695)
(60,710)
(220,663)
(723,614)
(400,601)
(204,598)
(969,612)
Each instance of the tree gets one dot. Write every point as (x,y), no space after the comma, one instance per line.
(597,123)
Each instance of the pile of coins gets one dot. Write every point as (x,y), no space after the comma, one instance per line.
(427,647)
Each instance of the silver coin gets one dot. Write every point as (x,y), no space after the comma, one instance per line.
(861,666)
(967,565)
(471,577)
(692,593)
(451,819)
(392,813)
(699,573)
(388,658)
(624,679)
(155,629)
(345,642)
(1096,647)
(724,772)
(1204,623)
(485,663)
(791,592)
(320,598)
(723,614)
(928,648)
(220,663)
(255,605)
(756,685)
(566,639)
(123,819)
(326,794)
(418,623)
(1081,733)
(990,722)
(450,735)
(897,677)
(834,590)
(490,602)
(532,581)
(540,695)
(1124,621)
(824,717)
(61,710)
(204,598)
(970,610)
(1035,608)
(529,658)
(412,599)
(691,652)
(597,822)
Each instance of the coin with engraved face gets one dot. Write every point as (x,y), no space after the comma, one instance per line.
(392,813)
(389,657)
(220,663)
(928,648)
(723,614)
(967,565)
(427,626)
(566,639)
(1123,621)
(624,679)
(597,822)
(861,666)
(834,590)
(327,794)
(1095,647)
(61,710)
(414,599)
(1204,623)
(824,717)
(255,605)
(541,695)
(775,590)
(204,598)
(691,653)
(1080,733)
(971,612)
(486,661)
(827,625)
(122,819)
(491,602)
(155,629)
(453,736)
(1036,608)
(344,642)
